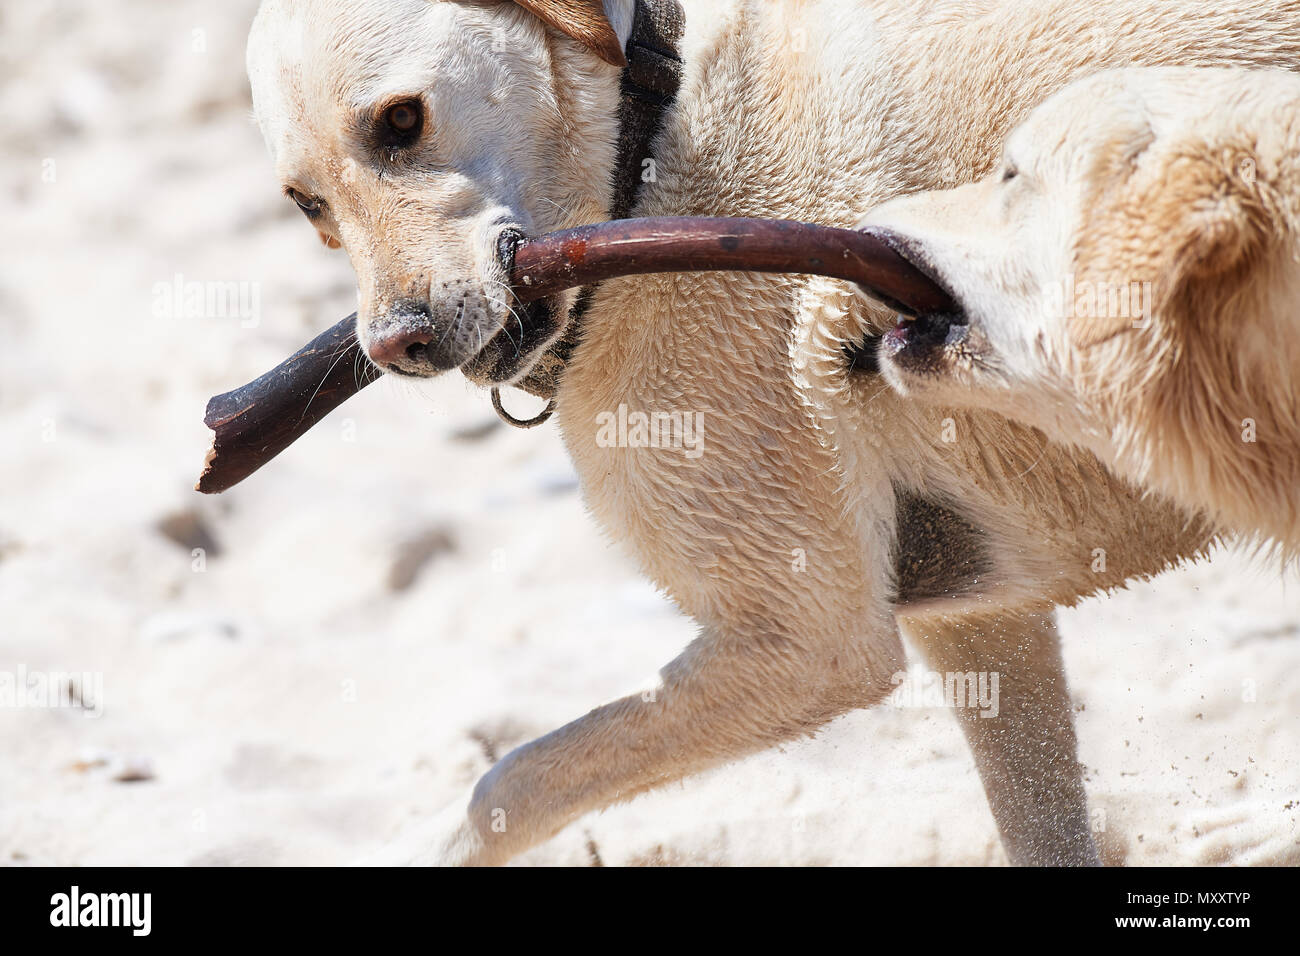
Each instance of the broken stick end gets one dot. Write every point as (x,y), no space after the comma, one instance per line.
(204,485)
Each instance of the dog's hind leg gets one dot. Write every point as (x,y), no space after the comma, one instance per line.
(1024,745)
(726,696)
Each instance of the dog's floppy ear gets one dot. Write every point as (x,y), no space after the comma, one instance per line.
(1215,213)
(585,21)
(1179,219)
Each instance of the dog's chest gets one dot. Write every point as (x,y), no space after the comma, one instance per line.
(689,435)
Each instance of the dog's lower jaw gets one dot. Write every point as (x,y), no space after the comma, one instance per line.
(520,353)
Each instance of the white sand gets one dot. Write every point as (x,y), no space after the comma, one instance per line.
(288,705)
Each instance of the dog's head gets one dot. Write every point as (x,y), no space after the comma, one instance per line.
(425,137)
(1132,216)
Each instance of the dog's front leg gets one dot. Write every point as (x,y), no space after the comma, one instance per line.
(1023,737)
(726,696)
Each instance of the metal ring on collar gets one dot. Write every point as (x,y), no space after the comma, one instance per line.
(509,419)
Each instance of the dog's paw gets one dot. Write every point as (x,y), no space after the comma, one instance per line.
(1248,834)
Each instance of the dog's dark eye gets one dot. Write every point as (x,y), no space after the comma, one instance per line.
(402,123)
(1010,173)
(308,204)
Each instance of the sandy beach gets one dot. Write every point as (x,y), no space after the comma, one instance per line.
(299,670)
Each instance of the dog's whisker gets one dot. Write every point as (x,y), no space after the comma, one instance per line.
(338,356)
(505,327)
(508,304)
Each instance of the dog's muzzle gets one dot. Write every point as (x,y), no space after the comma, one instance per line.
(529,331)
(411,341)
(406,342)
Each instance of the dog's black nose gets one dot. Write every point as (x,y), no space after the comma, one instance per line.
(406,340)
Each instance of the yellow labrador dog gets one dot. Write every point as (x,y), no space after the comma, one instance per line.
(1129,280)
(825,513)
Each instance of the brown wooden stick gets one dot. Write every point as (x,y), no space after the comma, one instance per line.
(589,254)
(253,424)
